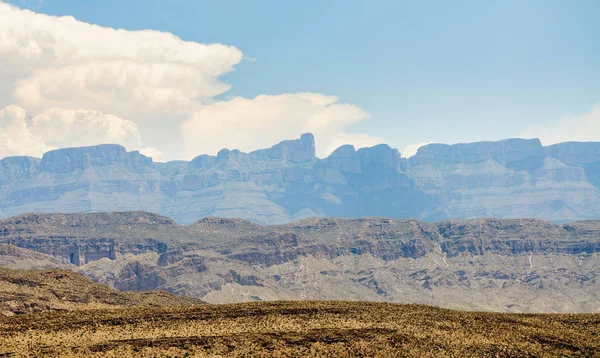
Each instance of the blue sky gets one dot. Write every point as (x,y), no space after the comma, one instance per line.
(427,71)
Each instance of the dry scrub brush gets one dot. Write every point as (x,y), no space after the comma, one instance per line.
(300,328)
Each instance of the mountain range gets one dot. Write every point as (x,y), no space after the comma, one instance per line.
(513,178)
(514,265)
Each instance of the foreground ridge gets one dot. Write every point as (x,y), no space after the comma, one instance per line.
(29,291)
(301,328)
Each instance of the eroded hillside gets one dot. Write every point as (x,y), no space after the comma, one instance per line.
(484,264)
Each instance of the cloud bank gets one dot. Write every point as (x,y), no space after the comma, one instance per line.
(63,62)
(583,128)
(247,124)
(57,127)
(77,81)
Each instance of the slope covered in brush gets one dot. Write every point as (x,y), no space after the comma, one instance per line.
(26,291)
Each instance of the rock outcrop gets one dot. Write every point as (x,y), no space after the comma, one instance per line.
(294,151)
(15,169)
(345,159)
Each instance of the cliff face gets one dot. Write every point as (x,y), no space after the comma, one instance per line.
(72,159)
(488,264)
(287,182)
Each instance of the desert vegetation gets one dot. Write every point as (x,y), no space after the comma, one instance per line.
(31,291)
(298,328)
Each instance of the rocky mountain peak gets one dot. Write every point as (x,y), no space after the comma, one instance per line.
(344,151)
(203,161)
(345,159)
(382,154)
(295,151)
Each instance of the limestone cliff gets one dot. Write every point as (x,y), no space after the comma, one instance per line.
(513,178)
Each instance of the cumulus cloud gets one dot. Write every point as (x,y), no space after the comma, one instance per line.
(585,127)
(15,135)
(248,124)
(58,127)
(412,149)
(63,62)
(154,153)
(66,74)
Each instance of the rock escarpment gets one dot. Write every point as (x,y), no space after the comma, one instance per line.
(486,264)
(506,179)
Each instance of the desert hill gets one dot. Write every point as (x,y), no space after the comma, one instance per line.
(14,257)
(299,328)
(26,291)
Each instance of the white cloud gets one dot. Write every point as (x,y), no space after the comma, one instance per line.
(153,153)
(412,149)
(52,67)
(63,62)
(248,124)
(15,135)
(57,127)
(358,140)
(585,127)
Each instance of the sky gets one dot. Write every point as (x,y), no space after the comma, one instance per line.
(175,79)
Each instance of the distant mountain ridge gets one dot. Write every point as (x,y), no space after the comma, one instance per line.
(512,178)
